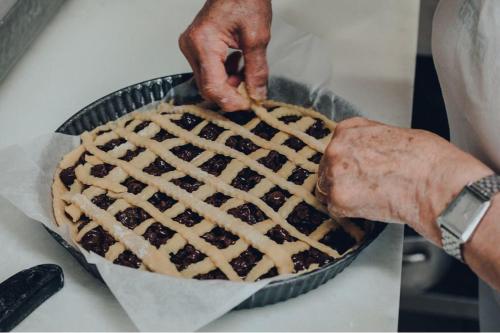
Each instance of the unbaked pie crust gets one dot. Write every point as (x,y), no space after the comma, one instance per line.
(192,192)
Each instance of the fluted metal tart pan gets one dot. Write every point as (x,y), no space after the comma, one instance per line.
(128,99)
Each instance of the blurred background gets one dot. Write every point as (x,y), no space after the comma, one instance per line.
(438,293)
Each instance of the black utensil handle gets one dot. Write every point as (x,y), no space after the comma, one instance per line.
(25,291)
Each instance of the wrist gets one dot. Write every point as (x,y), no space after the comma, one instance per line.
(448,177)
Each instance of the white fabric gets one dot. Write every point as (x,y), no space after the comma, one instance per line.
(466,50)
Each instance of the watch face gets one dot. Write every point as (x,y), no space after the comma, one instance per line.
(463,214)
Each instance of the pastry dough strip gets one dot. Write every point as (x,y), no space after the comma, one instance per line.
(145,251)
(211,251)
(279,125)
(303,111)
(207,178)
(219,120)
(223,219)
(248,161)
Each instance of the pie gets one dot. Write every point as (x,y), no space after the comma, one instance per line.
(191,191)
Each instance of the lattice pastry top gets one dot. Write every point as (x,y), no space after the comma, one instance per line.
(188,191)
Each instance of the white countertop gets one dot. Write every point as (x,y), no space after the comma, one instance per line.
(94,47)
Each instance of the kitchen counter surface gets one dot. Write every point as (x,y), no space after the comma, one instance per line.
(92,48)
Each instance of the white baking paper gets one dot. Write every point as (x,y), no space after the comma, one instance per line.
(154,302)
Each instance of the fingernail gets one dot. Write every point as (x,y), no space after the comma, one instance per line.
(322,184)
(259,93)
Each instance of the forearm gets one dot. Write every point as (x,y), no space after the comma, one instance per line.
(482,251)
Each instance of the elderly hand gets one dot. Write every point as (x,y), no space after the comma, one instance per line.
(224,24)
(383,173)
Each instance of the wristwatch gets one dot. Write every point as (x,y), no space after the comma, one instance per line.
(462,216)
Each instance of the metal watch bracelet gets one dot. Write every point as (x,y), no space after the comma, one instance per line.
(484,189)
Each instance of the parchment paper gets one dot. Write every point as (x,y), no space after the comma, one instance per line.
(153,301)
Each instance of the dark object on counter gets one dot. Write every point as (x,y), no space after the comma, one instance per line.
(23,292)
(131,98)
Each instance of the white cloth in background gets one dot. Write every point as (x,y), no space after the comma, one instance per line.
(466,50)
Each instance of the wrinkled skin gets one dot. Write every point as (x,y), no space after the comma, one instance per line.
(391,174)
(224,24)
(369,170)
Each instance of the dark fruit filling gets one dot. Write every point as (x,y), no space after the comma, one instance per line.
(101,170)
(304,259)
(103,201)
(273,160)
(271,273)
(83,221)
(216,164)
(157,234)
(339,240)
(130,154)
(128,122)
(129,259)
(97,240)
(81,159)
(294,143)
(188,218)
(112,144)
(244,263)
(318,130)
(132,217)
(248,213)
(316,158)
(102,132)
(240,117)
(299,176)
(187,183)
(306,218)
(133,185)
(162,135)
(276,197)
(280,235)
(67,176)
(241,144)
(211,132)
(265,131)
(217,199)
(289,119)
(246,179)
(216,274)
(141,126)
(158,167)
(161,201)
(220,238)
(186,152)
(186,256)
(188,121)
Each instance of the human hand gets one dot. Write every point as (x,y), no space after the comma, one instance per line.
(224,24)
(384,173)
